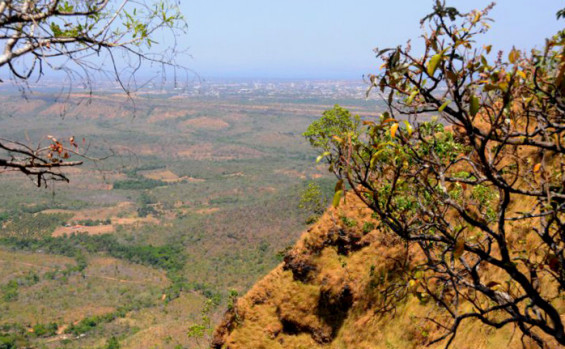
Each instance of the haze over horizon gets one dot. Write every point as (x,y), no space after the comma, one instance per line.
(332,39)
(314,40)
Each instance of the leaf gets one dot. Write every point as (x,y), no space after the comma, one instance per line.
(434,62)
(459,248)
(444,105)
(411,98)
(513,56)
(381,52)
(339,186)
(475,105)
(337,198)
(537,167)
(409,128)
(451,76)
(393,130)
(394,59)
(521,74)
(374,158)
(382,84)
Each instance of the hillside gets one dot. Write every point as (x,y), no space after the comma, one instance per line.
(328,293)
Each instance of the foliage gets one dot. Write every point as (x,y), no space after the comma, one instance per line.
(45,330)
(204,328)
(312,201)
(112,343)
(10,291)
(459,192)
(169,257)
(89,323)
(138,184)
(33,225)
(92,222)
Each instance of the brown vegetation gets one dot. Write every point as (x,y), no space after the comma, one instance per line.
(328,293)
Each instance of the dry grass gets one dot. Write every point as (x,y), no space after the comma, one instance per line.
(162,114)
(209,151)
(206,123)
(95,230)
(283,312)
(161,175)
(169,177)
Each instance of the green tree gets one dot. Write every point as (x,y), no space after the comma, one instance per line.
(467,165)
(312,201)
(112,343)
(204,328)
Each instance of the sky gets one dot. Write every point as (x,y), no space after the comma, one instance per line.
(331,39)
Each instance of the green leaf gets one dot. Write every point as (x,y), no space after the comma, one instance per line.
(434,62)
(412,96)
(375,156)
(444,105)
(322,156)
(337,198)
(475,105)
(409,128)
(56,29)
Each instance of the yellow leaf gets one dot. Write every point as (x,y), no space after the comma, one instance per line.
(393,130)
(537,167)
(513,56)
(409,128)
(434,62)
(521,74)
(322,156)
(337,198)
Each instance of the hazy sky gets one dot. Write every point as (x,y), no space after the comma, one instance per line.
(330,38)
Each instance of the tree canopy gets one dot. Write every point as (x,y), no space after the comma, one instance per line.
(467,165)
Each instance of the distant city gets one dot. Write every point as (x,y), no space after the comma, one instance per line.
(246,88)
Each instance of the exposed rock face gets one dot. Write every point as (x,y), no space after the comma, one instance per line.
(328,293)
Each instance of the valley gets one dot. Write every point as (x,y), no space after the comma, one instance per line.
(194,201)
